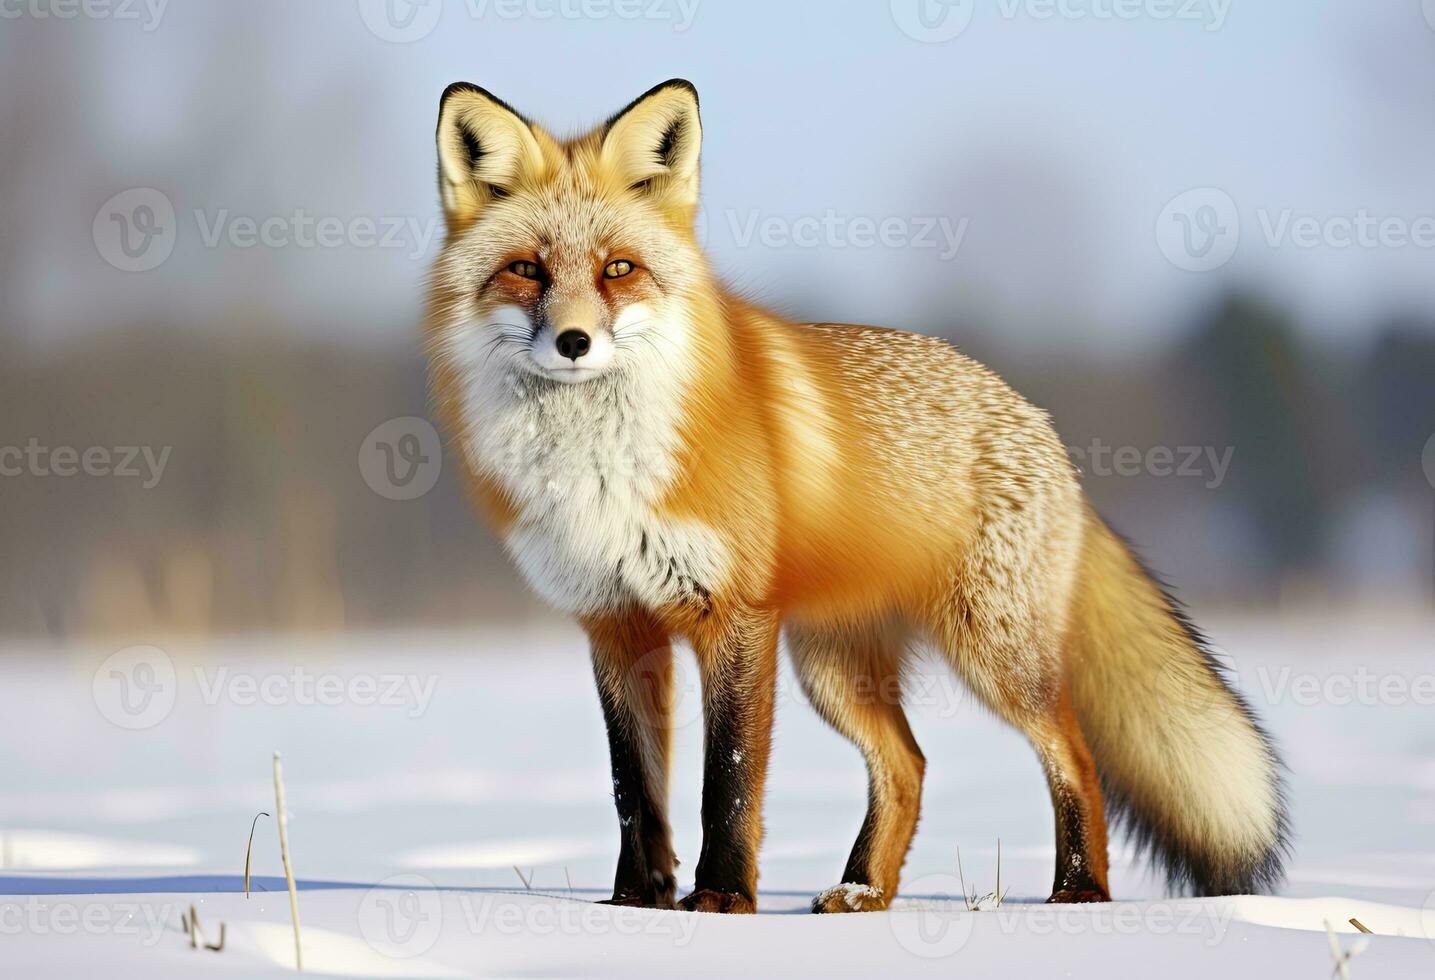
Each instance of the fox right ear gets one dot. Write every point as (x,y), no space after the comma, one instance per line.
(654,143)
(484,149)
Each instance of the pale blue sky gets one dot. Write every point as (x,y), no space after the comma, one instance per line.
(1053,144)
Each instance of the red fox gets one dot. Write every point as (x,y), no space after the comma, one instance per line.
(667,462)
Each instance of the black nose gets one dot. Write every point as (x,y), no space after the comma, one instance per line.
(573,344)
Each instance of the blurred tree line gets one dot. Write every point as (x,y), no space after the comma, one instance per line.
(261,519)
(1325,497)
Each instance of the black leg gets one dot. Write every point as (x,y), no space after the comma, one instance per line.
(632,663)
(739,669)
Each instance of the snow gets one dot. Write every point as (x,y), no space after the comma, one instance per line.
(423,769)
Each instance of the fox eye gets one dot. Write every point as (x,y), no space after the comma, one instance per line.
(617,269)
(528,270)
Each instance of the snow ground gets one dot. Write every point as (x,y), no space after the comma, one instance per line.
(422,768)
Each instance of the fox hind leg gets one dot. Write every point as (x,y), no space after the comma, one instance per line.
(852,678)
(1081,851)
(1016,670)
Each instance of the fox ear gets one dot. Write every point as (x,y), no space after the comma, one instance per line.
(654,143)
(484,149)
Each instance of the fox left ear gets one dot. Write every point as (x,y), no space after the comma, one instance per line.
(485,149)
(653,144)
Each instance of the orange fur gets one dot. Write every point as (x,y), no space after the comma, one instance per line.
(708,471)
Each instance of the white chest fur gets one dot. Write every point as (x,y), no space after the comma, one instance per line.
(586,466)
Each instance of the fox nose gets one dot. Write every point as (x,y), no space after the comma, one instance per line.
(573,344)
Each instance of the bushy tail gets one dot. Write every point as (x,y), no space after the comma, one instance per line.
(1185,769)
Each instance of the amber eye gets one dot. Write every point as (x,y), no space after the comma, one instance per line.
(528,270)
(617,269)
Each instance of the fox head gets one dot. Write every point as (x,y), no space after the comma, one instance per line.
(566,260)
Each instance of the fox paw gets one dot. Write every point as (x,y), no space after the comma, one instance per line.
(707,900)
(659,896)
(850,897)
(1077,896)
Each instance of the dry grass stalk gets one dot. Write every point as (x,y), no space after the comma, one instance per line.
(283,821)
